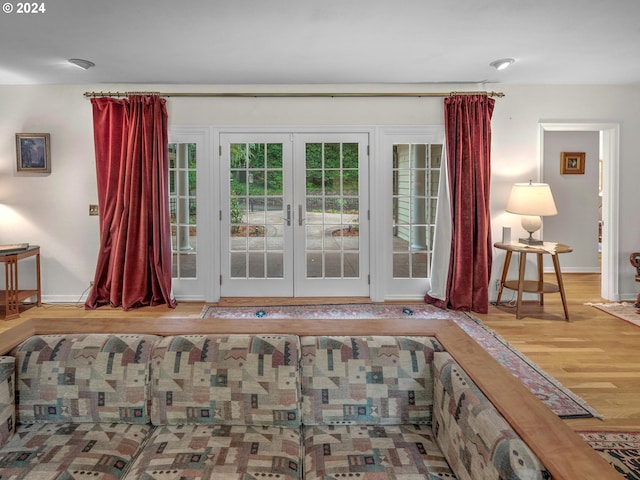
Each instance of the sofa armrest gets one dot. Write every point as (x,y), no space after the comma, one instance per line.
(7,399)
(476,440)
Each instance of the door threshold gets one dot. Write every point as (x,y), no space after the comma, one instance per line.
(268,301)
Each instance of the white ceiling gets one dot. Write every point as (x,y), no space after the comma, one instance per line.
(322,41)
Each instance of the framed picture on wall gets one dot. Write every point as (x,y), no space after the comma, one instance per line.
(33,152)
(572,163)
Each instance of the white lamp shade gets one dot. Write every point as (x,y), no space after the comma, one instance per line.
(531,199)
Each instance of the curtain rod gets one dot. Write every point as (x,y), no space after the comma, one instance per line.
(287,95)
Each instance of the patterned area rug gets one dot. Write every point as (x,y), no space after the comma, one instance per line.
(560,400)
(620,449)
(624,310)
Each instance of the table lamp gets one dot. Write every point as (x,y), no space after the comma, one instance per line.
(531,200)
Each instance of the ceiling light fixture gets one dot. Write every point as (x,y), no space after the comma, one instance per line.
(502,63)
(84,64)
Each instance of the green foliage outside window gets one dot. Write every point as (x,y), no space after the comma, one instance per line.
(332,171)
(248,163)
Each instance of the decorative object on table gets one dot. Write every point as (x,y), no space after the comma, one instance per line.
(13,248)
(33,152)
(572,163)
(531,200)
(559,399)
(506,234)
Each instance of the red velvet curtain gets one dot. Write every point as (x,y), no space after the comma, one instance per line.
(134,261)
(468,147)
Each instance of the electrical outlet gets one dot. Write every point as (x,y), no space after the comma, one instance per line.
(93,210)
(497,285)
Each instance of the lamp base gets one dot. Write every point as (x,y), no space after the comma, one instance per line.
(530,241)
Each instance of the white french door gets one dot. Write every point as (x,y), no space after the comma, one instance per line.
(294,214)
(192,250)
(256,215)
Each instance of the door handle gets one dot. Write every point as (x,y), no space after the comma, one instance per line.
(288,217)
(300,219)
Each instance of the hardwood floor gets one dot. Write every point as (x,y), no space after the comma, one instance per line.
(595,355)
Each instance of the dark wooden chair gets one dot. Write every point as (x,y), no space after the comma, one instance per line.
(635,261)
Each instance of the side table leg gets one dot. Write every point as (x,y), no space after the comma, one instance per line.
(505,270)
(12,306)
(523,263)
(540,280)
(38,283)
(556,267)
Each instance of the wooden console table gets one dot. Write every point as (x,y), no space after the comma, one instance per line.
(532,286)
(12,295)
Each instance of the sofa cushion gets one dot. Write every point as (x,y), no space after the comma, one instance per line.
(367,380)
(101,451)
(7,399)
(226,379)
(477,441)
(220,452)
(83,378)
(373,452)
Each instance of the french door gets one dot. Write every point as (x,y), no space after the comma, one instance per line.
(294,215)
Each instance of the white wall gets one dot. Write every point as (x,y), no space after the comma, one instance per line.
(53,210)
(516,146)
(576,198)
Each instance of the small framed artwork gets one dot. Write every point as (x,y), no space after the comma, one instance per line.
(33,152)
(572,163)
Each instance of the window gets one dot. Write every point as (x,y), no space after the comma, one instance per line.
(183,211)
(415,177)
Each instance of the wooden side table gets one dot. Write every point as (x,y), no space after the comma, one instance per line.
(532,286)
(12,295)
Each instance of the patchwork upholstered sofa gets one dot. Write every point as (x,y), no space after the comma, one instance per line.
(103,406)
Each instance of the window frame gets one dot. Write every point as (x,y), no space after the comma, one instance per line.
(387,287)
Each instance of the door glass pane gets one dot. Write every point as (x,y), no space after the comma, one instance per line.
(332,242)
(256,202)
(183,209)
(332,155)
(416,176)
(314,265)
